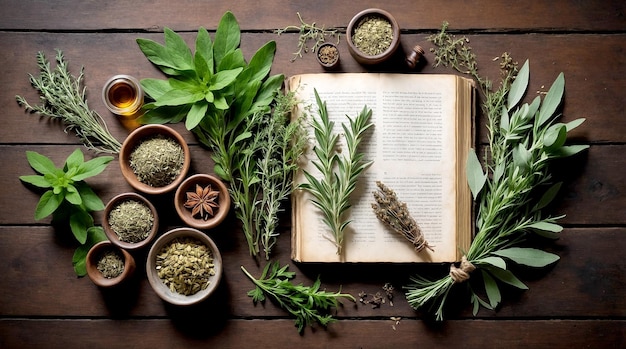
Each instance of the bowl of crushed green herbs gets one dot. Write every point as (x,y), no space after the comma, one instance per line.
(373,36)
(154,159)
(184,266)
(108,265)
(130,221)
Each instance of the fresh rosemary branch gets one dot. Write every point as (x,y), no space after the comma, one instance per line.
(309,32)
(517,184)
(308,304)
(339,173)
(63,97)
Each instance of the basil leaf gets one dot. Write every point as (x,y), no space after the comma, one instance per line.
(261,63)
(178,52)
(518,87)
(72,196)
(36,180)
(40,163)
(227,37)
(202,69)
(224,78)
(91,201)
(196,114)
(528,256)
(155,53)
(47,204)
(92,167)
(79,222)
(155,88)
(74,160)
(232,60)
(204,47)
(178,97)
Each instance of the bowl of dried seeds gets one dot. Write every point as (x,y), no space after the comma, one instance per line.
(184,266)
(373,36)
(154,159)
(202,201)
(130,221)
(108,265)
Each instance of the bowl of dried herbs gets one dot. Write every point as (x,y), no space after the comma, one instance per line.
(130,221)
(184,266)
(154,159)
(373,36)
(202,201)
(108,265)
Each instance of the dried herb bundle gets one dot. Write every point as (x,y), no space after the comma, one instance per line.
(395,214)
(512,190)
(64,98)
(339,172)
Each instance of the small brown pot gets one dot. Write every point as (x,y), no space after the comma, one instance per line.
(328,55)
(189,185)
(112,235)
(133,139)
(94,255)
(364,58)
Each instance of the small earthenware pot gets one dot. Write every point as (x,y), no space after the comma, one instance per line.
(113,236)
(168,293)
(365,58)
(328,55)
(96,253)
(134,139)
(191,191)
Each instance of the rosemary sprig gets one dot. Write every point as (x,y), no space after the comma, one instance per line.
(63,97)
(512,192)
(308,304)
(339,173)
(309,32)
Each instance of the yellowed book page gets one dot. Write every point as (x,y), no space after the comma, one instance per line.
(413,148)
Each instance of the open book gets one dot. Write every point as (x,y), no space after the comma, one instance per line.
(419,144)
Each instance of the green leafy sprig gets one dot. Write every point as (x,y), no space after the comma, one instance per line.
(69,198)
(309,32)
(64,98)
(339,174)
(308,304)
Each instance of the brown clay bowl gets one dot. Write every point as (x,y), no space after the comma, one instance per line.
(112,235)
(362,57)
(94,255)
(134,139)
(189,185)
(324,62)
(161,289)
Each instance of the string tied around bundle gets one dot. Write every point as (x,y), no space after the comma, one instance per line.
(462,272)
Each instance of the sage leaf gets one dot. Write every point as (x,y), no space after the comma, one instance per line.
(504,120)
(155,88)
(521,157)
(156,53)
(261,63)
(528,256)
(48,203)
(548,196)
(40,163)
(552,100)
(508,277)
(204,47)
(178,97)
(496,262)
(518,87)
(574,123)
(555,136)
(476,178)
(224,78)
(177,50)
(492,290)
(227,37)
(201,66)
(569,150)
(546,229)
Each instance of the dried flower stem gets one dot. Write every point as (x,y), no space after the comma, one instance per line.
(309,32)
(395,214)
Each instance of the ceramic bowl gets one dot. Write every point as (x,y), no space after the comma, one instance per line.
(324,58)
(189,185)
(134,139)
(94,255)
(112,235)
(362,57)
(159,286)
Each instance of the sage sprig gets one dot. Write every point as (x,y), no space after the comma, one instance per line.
(511,190)
(69,198)
(339,173)
(63,97)
(308,304)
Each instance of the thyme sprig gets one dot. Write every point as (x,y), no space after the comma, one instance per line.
(308,304)
(309,32)
(512,190)
(63,97)
(339,173)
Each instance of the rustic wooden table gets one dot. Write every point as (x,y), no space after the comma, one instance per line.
(577,303)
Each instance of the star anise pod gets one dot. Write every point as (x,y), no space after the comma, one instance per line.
(202,202)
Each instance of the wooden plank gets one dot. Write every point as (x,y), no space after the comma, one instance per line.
(598,99)
(38,280)
(188,14)
(409,333)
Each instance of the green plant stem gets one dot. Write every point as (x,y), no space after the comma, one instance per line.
(63,98)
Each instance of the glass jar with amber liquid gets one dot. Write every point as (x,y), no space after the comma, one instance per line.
(123,95)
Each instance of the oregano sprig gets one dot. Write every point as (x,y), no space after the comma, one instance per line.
(308,304)
(339,173)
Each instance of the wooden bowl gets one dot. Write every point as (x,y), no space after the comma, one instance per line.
(134,139)
(94,255)
(323,60)
(362,57)
(159,286)
(189,185)
(112,235)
